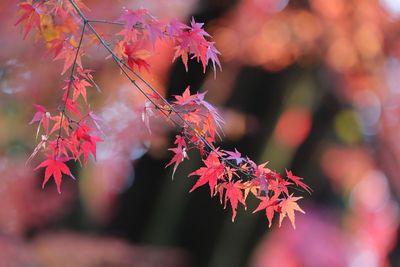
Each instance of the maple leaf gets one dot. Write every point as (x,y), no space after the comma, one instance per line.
(180,155)
(197,28)
(251,186)
(185,98)
(29,16)
(89,147)
(212,54)
(263,183)
(270,206)
(180,140)
(129,35)
(199,112)
(55,46)
(135,56)
(192,41)
(68,55)
(236,156)
(41,116)
(133,17)
(82,132)
(277,184)
(71,106)
(57,124)
(79,86)
(41,145)
(59,147)
(154,31)
(55,167)
(96,119)
(211,173)
(230,172)
(297,181)
(235,195)
(87,75)
(175,27)
(288,207)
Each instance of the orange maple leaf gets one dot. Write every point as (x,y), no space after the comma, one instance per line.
(288,206)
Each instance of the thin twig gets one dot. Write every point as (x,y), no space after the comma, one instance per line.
(106,22)
(71,79)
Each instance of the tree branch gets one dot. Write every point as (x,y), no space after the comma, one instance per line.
(122,65)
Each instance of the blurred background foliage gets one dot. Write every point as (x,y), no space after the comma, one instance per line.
(311,86)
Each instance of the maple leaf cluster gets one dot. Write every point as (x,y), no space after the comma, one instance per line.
(71,133)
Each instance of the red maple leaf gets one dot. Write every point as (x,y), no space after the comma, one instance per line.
(55,167)
(57,124)
(270,204)
(180,140)
(41,116)
(72,106)
(180,155)
(29,17)
(58,121)
(235,195)
(68,55)
(133,17)
(192,41)
(185,98)
(79,86)
(297,181)
(89,147)
(59,147)
(135,56)
(210,174)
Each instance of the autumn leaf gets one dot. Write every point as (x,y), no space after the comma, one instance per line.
(192,42)
(79,86)
(29,17)
(180,155)
(252,186)
(270,206)
(297,181)
(210,174)
(234,195)
(68,55)
(136,56)
(59,147)
(185,98)
(212,54)
(133,17)
(72,106)
(288,207)
(175,27)
(42,116)
(234,155)
(55,167)
(60,121)
(89,146)
(154,31)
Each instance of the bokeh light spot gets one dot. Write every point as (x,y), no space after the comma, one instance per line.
(293,127)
